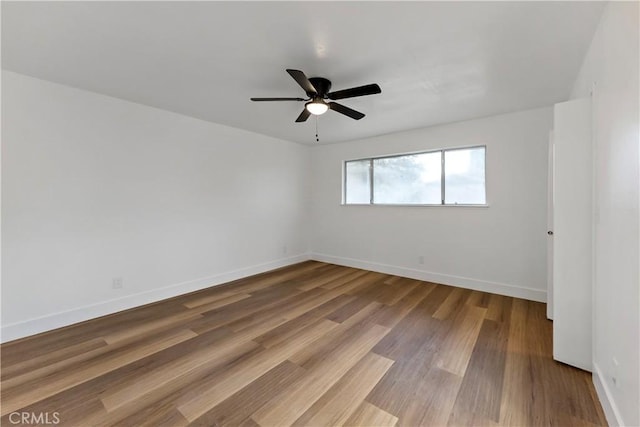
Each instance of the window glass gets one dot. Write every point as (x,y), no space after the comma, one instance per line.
(464,176)
(357,182)
(411,179)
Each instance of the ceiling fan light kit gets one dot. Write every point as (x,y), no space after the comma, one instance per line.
(317,107)
(317,90)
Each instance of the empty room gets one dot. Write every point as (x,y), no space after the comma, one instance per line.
(320,213)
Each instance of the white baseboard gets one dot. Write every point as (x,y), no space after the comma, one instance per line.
(446,279)
(606,399)
(49,322)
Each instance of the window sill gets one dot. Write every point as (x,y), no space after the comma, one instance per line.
(415,206)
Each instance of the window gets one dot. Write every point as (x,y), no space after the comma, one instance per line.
(443,177)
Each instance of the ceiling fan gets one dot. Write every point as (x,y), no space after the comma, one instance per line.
(317,90)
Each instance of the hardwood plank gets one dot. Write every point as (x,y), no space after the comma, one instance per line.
(128,374)
(222,302)
(539,350)
(390,316)
(337,405)
(287,406)
(398,391)
(459,344)
(71,364)
(242,375)
(68,336)
(515,406)
(294,305)
(209,298)
(378,291)
(249,423)
(477,298)
(499,308)
(432,408)
(285,307)
(473,419)
(414,329)
(255,284)
(341,280)
(479,399)
(294,326)
(151,327)
(336,278)
(239,407)
(372,282)
(29,365)
(18,397)
(370,415)
(395,279)
(344,332)
(303,304)
(565,380)
(452,304)
(346,311)
(80,405)
(166,398)
(278,277)
(436,295)
(161,415)
(72,412)
(302,307)
(189,366)
(400,290)
(263,302)
(414,354)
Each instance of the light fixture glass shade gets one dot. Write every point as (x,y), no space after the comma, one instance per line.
(317,107)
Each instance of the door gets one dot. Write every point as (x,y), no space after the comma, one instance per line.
(550,229)
(572,233)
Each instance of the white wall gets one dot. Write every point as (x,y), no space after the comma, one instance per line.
(612,63)
(500,249)
(95,187)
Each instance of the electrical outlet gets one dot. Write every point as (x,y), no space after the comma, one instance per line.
(616,372)
(116,283)
(421,259)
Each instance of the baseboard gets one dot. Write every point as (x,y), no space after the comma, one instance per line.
(49,322)
(446,279)
(606,400)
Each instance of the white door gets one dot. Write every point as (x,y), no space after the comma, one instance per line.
(572,233)
(550,230)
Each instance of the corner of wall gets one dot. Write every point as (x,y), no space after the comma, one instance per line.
(609,407)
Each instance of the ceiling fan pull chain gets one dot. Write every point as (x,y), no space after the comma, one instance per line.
(317,139)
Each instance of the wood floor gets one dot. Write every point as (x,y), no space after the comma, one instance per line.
(312,344)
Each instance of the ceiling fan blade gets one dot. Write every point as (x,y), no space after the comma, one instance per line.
(303,116)
(303,81)
(371,89)
(357,115)
(277,99)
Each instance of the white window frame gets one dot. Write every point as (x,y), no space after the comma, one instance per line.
(442,179)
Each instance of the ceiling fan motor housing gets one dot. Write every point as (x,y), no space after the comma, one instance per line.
(322,85)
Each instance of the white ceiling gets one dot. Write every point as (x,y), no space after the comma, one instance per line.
(436,62)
